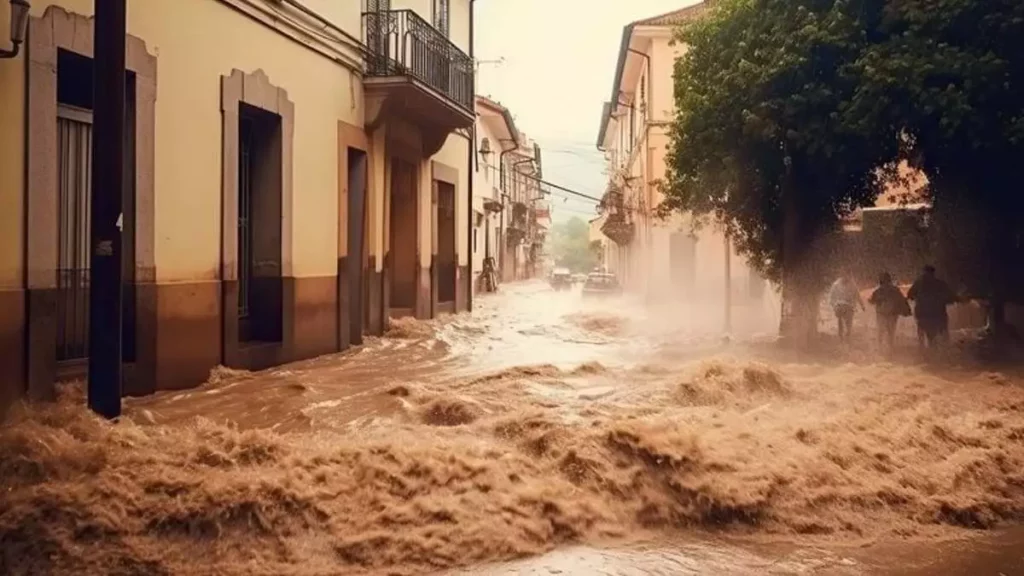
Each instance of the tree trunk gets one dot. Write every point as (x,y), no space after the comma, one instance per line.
(799,319)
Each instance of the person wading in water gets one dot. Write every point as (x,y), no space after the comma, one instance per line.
(889,305)
(844,299)
(931,296)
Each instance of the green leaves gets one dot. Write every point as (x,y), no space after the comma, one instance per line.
(841,90)
(762,82)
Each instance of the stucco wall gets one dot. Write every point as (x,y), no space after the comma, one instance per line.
(12,163)
(346,15)
(455,153)
(196,42)
(663,59)
(484,181)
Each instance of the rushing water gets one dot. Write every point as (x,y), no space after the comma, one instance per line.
(541,435)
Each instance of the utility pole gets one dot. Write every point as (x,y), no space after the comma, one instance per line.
(104,386)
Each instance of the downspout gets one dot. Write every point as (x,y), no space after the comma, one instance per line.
(502,241)
(471,155)
(515,255)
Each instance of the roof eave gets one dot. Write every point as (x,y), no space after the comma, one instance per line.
(506,116)
(627,36)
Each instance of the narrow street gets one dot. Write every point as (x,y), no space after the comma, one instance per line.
(563,436)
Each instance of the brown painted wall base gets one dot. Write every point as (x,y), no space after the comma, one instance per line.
(188,333)
(42,343)
(12,347)
(343,320)
(315,316)
(433,286)
(424,306)
(461,286)
(182,335)
(375,296)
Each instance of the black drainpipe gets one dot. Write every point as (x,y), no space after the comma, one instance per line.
(472,170)
(501,221)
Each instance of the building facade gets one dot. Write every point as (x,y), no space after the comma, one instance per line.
(298,173)
(511,216)
(663,260)
(496,136)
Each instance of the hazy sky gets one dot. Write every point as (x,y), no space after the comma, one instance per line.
(560,58)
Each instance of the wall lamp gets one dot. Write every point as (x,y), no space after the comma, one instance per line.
(19,25)
(485,148)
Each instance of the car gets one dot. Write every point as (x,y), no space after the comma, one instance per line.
(579,278)
(561,279)
(601,284)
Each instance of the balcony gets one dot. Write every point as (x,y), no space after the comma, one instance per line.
(413,72)
(519,216)
(617,226)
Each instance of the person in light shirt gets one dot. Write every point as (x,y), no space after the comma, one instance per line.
(844,298)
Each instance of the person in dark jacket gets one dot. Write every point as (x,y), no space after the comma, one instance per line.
(889,305)
(931,296)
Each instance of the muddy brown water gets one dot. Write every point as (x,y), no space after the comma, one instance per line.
(541,435)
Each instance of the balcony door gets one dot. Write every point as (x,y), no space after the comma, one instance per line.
(439,56)
(442,17)
(379,23)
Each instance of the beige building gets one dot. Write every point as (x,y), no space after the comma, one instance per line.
(497,136)
(663,260)
(520,175)
(511,219)
(299,173)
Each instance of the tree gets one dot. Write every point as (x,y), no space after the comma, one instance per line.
(762,141)
(950,74)
(570,245)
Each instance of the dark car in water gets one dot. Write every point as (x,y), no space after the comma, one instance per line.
(561,279)
(601,284)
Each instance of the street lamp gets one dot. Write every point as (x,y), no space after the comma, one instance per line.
(485,148)
(19,25)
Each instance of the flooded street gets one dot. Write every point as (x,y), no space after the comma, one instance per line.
(540,435)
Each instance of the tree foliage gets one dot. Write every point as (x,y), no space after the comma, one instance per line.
(763,94)
(570,245)
(795,112)
(950,74)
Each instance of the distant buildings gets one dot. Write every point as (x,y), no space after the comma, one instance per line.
(663,260)
(512,216)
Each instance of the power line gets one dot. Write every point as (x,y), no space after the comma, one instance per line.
(558,187)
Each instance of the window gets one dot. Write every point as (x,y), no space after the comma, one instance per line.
(442,17)
(643,94)
(259,225)
(474,240)
(632,127)
(378,5)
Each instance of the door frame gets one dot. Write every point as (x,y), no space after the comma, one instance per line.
(57,29)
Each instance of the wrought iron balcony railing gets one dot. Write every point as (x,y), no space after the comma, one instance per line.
(401,43)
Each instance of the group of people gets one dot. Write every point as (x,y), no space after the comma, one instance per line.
(930,294)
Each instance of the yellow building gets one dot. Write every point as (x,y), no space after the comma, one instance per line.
(660,259)
(298,174)
(497,137)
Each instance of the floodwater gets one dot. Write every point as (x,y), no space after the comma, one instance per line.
(540,435)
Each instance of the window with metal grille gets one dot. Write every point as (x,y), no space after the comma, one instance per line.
(74,189)
(74,144)
(259,225)
(245,145)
